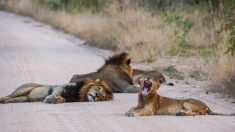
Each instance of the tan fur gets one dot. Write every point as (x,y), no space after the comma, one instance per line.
(141,74)
(33,92)
(116,72)
(154,104)
(106,95)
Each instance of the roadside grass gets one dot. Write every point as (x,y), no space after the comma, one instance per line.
(222,72)
(145,35)
(136,30)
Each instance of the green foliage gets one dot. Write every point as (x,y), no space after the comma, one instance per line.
(52,4)
(198,75)
(229,24)
(170,69)
(155,5)
(184,24)
(98,5)
(226,11)
(172,72)
(180,52)
(73,5)
(206,52)
(150,58)
(231,43)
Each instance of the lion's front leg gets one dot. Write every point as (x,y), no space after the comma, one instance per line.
(141,112)
(132,109)
(53,99)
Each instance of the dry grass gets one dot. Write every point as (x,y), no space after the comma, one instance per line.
(222,70)
(97,30)
(137,31)
(134,29)
(223,75)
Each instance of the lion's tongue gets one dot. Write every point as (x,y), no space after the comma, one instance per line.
(145,90)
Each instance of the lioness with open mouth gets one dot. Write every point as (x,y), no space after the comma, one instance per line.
(151,103)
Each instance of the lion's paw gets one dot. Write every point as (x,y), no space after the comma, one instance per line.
(60,99)
(4,100)
(51,99)
(131,114)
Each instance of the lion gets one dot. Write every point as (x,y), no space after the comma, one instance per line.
(116,72)
(83,91)
(151,103)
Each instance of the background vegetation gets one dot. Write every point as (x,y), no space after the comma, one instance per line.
(148,29)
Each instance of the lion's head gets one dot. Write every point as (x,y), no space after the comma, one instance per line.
(148,86)
(121,61)
(141,74)
(97,90)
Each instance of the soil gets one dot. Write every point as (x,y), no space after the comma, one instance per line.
(33,52)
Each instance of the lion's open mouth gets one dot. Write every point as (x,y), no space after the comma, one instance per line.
(147,86)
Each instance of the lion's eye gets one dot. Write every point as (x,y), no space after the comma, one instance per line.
(97,88)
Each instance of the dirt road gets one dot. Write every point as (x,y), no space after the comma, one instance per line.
(33,52)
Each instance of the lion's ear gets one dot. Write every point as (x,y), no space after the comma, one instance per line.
(97,80)
(140,80)
(88,81)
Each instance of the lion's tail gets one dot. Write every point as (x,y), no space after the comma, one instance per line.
(222,114)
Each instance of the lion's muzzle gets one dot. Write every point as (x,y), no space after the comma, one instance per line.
(147,86)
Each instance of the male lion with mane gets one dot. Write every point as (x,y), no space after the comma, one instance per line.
(89,90)
(150,103)
(116,72)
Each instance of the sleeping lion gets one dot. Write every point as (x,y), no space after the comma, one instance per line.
(81,91)
(151,103)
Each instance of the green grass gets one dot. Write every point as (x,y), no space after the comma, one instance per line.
(172,73)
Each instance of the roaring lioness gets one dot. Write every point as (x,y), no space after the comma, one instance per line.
(89,90)
(150,103)
(116,72)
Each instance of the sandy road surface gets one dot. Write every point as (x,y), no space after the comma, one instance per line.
(32,52)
